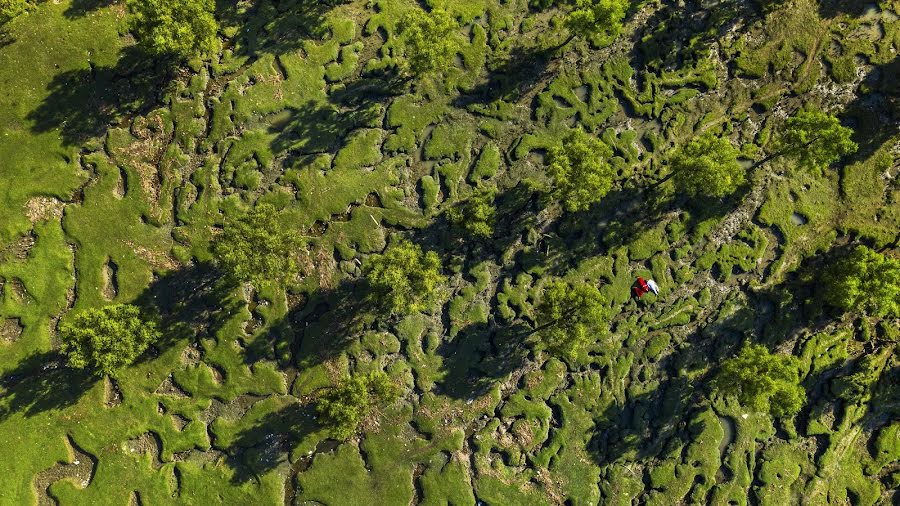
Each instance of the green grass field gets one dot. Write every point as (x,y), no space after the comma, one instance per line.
(117,172)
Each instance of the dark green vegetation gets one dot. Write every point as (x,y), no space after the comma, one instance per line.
(173,29)
(409,226)
(352,400)
(865,282)
(430,40)
(580,170)
(570,317)
(405,277)
(106,339)
(707,165)
(257,247)
(762,381)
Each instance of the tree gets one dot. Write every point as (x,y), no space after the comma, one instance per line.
(179,29)
(580,171)
(405,277)
(256,248)
(352,400)
(476,215)
(568,316)
(12,8)
(707,165)
(815,139)
(430,41)
(107,339)
(762,381)
(591,19)
(865,281)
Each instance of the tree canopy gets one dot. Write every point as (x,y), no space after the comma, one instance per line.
(405,277)
(815,139)
(597,18)
(429,39)
(864,281)
(476,215)
(580,171)
(12,8)
(569,316)
(352,400)
(763,381)
(707,165)
(106,339)
(179,29)
(257,248)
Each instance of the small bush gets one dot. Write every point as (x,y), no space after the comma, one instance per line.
(107,339)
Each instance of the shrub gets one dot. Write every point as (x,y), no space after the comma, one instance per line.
(256,248)
(865,281)
(763,381)
(707,165)
(107,339)
(179,29)
(580,171)
(429,41)
(596,18)
(568,315)
(405,277)
(12,8)
(815,139)
(352,400)
(476,215)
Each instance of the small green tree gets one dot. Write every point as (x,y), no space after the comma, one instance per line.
(405,277)
(580,171)
(179,29)
(107,339)
(596,19)
(865,281)
(257,248)
(430,41)
(763,381)
(352,400)
(12,8)
(477,215)
(707,165)
(569,316)
(815,139)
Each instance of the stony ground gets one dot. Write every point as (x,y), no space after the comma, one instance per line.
(117,173)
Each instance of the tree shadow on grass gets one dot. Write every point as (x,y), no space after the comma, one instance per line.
(854,8)
(5,38)
(678,34)
(510,78)
(652,424)
(319,329)
(79,8)
(41,382)
(276,26)
(84,103)
(875,114)
(479,357)
(315,128)
(267,444)
(622,217)
(190,302)
(797,304)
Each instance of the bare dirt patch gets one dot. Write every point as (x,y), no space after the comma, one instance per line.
(112,393)
(169,387)
(44,208)
(10,330)
(110,276)
(79,469)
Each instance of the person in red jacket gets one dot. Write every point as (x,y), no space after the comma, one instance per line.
(640,288)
